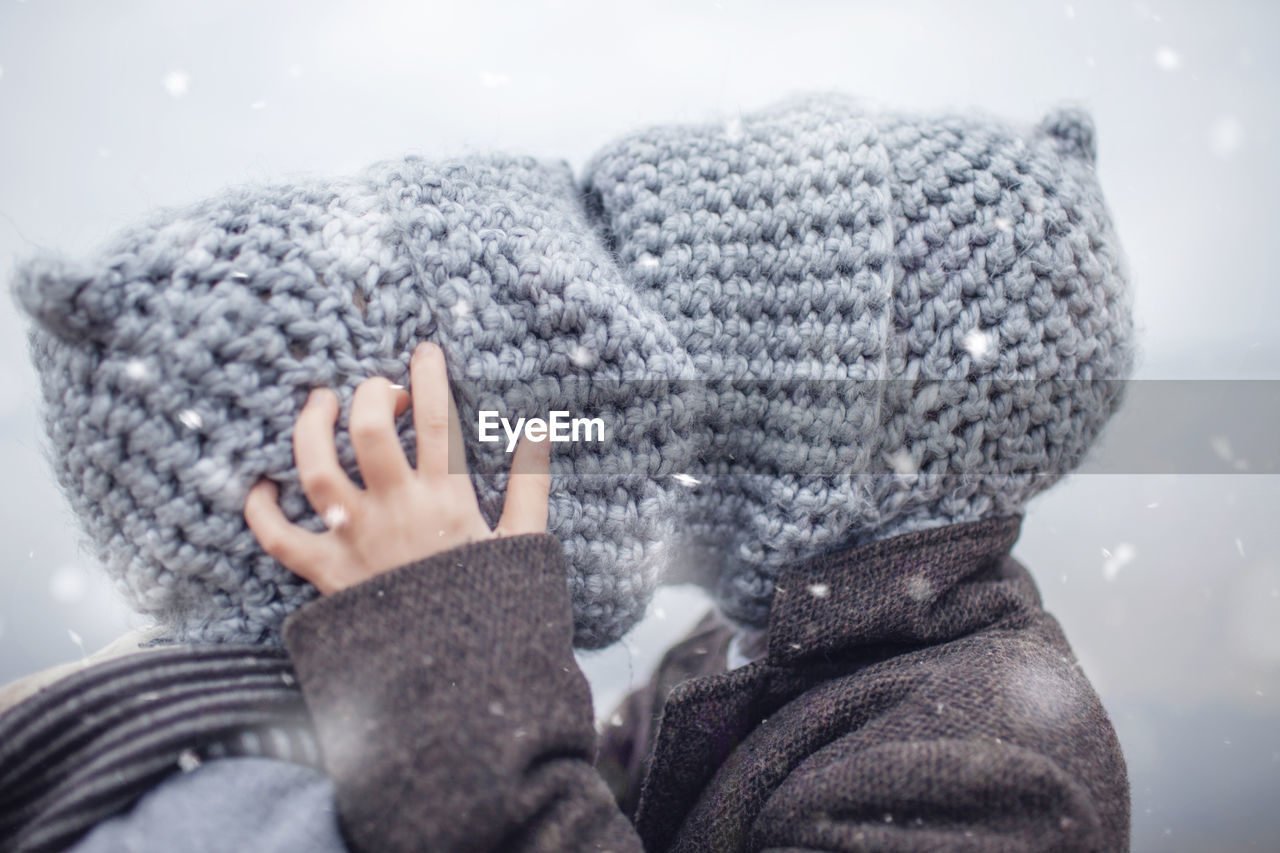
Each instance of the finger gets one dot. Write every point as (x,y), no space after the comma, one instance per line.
(435,416)
(296,549)
(457,458)
(373,435)
(323,481)
(528,489)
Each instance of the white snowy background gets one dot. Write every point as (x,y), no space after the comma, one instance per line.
(1167,585)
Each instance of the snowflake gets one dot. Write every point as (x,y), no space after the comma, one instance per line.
(902,463)
(977,343)
(1168,59)
(176,83)
(1113,562)
(919,588)
(336,516)
(188,760)
(1221,446)
(136,369)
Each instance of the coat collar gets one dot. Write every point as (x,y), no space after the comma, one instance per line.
(902,590)
(917,588)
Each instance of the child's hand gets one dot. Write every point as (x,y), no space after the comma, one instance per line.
(404,514)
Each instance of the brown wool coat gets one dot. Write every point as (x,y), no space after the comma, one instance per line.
(914,696)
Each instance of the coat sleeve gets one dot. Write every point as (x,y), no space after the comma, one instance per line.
(982,797)
(997,743)
(450,710)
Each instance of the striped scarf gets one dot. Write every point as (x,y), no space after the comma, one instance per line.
(88,746)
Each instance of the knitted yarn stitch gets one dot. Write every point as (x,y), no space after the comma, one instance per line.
(174,365)
(933,298)
(952,284)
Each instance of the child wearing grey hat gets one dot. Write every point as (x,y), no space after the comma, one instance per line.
(836,350)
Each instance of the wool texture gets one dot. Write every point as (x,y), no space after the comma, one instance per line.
(933,298)
(950,287)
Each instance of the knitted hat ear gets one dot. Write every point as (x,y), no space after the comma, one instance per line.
(1073,132)
(71,301)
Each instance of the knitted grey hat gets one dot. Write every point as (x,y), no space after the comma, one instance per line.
(951,287)
(174,365)
(817,245)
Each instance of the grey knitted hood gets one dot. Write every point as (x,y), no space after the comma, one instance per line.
(818,245)
(951,286)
